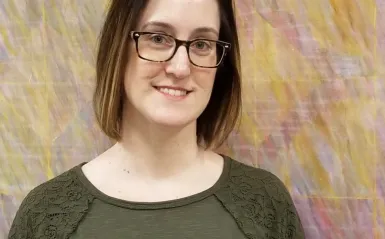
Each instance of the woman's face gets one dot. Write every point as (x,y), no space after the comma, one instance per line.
(150,86)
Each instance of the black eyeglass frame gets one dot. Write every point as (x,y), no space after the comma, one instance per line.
(178,43)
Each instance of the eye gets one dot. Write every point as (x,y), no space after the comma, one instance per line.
(202,45)
(157,38)
(160,39)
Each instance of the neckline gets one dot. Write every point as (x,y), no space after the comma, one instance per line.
(156,205)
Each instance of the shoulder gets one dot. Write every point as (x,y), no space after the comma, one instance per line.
(51,208)
(260,203)
(247,182)
(256,179)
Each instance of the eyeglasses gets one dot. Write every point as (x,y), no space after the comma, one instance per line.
(159,47)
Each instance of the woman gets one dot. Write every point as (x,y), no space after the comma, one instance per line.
(168,91)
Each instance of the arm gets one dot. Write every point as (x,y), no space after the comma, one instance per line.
(287,218)
(21,227)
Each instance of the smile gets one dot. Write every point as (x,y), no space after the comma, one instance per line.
(172,92)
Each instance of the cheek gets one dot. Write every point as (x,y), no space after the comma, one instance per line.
(139,72)
(143,69)
(206,80)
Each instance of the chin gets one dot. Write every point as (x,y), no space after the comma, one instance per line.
(171,119)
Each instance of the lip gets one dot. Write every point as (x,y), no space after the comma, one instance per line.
(172,97)
(172,88)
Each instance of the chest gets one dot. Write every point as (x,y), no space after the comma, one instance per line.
(205,220)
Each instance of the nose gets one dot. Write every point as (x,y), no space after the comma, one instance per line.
(179,65)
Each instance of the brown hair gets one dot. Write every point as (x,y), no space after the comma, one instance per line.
(221,114)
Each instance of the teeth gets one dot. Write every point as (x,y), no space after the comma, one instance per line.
(173,92)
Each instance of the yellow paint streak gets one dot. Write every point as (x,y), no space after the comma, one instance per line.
(47,161)
(6,39)
(308,159)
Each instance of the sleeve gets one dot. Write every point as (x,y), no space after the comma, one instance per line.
(53,209)
(287,217)
(21,227)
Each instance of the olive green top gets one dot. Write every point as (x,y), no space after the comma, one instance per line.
(245,202)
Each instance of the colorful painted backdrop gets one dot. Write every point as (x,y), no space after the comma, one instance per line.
(313,111)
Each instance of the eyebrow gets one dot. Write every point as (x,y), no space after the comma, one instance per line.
(170,27)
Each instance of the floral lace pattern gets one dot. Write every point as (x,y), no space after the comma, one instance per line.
(52,210)
(258,201)
(260,204)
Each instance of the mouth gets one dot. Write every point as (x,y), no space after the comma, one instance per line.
(171,91)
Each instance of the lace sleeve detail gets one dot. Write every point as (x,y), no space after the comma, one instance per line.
(52,210)
(260,204)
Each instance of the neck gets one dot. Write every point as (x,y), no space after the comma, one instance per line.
(156,150)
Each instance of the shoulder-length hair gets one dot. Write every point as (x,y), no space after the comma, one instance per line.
(221,114)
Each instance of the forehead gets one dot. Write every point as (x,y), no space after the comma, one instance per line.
(184,16)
